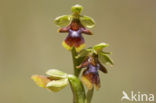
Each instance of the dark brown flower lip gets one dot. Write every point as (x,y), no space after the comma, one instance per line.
(91,74)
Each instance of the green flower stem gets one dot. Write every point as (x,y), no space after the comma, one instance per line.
(90,95)
(75,62)
(77,89)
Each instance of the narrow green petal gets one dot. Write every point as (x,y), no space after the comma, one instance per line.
(56,74)
(62,21)
(87,21)
(57,85)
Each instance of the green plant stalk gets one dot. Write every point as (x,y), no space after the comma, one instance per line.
(77,89)
(75,62)
(90,95)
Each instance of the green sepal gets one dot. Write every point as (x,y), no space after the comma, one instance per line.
(104,58)
(57,85)
(87,21)
(63,20)
(56,74)
(77,9)
(99,47)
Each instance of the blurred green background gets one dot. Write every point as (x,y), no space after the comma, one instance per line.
(30,44)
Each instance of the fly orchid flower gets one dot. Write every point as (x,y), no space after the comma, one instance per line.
(90,75)
(93,64)
(74,25)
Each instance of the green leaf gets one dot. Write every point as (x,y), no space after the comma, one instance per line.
(57,85)
(99,47)
(62,21)
(104,58)
(77,9)
(87,21)
(56,74)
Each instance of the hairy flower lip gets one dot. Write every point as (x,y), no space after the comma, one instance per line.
(90,77)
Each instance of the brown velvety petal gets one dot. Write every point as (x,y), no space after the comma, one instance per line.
(74,41)
(69,41)
(78,41)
